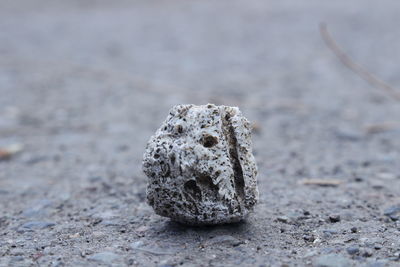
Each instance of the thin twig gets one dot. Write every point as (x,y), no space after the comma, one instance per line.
(358,69)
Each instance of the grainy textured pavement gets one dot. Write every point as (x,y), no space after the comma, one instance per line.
(83,85)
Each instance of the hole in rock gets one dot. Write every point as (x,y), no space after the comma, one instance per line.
(179,128)
(192,189)
(205,181)
(209,141)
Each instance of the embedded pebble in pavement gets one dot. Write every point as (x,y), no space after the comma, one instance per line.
(393,212)
(200,166)
(332,260)
(35,225)
(104,257)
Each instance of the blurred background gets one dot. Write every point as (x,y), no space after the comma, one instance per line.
(84,84)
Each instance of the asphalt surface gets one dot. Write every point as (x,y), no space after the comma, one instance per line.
(84,84)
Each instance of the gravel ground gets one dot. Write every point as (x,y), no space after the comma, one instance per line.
(83,85)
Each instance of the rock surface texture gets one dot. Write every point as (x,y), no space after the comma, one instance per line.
(200,166)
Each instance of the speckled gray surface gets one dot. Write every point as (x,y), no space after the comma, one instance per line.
(84,84)
(201,167)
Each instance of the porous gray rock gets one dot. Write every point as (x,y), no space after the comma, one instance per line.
(200,166)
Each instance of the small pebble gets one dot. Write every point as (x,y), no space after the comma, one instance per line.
(349,135)
(283,219)
(393,212)
(354,229)
(295,216)
(35,159)
(386,176)
(330,231)
(76,235)
(378,263)
(306,212)
(17,258)
(104,257)
(358,179)
(38,209)
(58,263)
(352,250)
(366,252)
(334,218)
(377,185)
(366,163)
(309,238)
(331,260)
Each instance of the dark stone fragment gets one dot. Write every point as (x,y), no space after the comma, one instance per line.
(334,218)
(393,212)
(352,250)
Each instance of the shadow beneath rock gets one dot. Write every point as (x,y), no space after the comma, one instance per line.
(243,229)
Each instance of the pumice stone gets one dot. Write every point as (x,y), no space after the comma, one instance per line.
(200,166)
